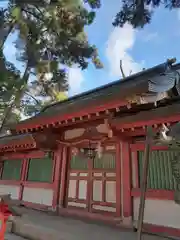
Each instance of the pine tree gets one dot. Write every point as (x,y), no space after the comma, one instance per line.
(138,13)
(51,38)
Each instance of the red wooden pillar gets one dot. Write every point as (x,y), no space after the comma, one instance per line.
(118,180)
(126,183)
(23,177)
(57,176)
(63,182)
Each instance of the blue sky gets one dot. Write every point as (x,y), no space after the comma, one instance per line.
(137,48)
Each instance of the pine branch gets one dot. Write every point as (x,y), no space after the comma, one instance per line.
(33,14)
(18,95)
(38,102)
(122,71)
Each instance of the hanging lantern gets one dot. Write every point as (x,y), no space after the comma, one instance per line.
(90,152)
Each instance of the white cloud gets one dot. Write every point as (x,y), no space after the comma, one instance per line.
(120,41)
(75,78)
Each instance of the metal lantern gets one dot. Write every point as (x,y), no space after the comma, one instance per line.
(90,152)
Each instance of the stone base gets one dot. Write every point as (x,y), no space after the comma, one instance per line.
(127,222)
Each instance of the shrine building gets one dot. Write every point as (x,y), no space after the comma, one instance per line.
(83,156)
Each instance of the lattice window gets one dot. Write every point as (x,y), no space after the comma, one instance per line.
(12,169)
(107,161)
(160,174)
(79,162)
(40,169)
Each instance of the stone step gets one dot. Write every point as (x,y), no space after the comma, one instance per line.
(31,231)
(13,237)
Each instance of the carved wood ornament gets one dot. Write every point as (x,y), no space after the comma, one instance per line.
(90,133)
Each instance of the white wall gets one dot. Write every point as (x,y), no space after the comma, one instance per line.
(10,189)
(38,195)
(159,212)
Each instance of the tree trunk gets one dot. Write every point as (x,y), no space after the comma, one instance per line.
(6,115)
(2,42)
(18,96)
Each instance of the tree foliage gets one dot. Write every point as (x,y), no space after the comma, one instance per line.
(10,84)
(51,39)
(139,12)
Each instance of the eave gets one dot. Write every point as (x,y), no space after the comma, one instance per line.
(98,103)
(25,142)
(17,143)
(138,122)
(127,127)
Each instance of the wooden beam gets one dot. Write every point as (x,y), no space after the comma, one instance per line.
(64,180)
(126,166)
(57,176)
(118,179)
(23,177)
(149,137)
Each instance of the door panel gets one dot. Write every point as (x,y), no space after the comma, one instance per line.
(78,182)
(104,192)
(92,184)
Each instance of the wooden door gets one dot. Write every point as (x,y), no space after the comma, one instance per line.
(78,179)
(103,197)
(92,183)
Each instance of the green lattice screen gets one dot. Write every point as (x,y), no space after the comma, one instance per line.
(12,169)
(107,161)
(40,169)
(79,162)
(160,174)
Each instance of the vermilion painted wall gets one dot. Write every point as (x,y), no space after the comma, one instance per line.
(39,194)
(161,213)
